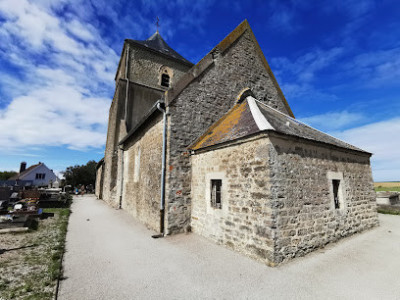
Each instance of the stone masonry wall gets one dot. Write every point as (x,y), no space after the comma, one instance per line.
(142,171)
(301,185)
(111,156)
(244,221)
(99,182)
(145,67)
(201,104)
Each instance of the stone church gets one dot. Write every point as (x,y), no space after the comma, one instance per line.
(214,148)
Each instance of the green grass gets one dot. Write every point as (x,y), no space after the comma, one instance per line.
(32,272)
(58,248)
(389,211)
(387,188)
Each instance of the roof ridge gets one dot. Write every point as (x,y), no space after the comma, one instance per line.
(23,173)
(261,121)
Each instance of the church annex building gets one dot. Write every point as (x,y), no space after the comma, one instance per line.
(214,148)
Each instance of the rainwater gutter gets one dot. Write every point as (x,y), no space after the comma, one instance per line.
(163,160)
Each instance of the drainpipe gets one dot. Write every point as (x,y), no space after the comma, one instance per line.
(122,177)
(162,199)
(126,123)
(127,84)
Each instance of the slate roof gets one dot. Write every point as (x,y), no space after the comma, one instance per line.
(19,175)
(157,43)
(252,116)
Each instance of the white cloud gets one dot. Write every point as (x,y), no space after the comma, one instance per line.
(62,78)
(283,19)
(297,76)
(61,94)
(307,65)
(353,9)
(379,138)
(376,68)
(333,120)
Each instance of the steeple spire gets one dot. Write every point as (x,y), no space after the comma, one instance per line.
(157,23)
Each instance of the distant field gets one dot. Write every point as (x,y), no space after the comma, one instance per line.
(387,186)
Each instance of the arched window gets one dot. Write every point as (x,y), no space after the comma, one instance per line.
(165,76)
(165,80)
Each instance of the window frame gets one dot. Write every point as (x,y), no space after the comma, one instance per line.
(166,81)
(336,178)
(165,71)
(216,196)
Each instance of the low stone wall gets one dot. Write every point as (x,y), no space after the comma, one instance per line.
(244,220)
(387,198)
(302,175)
(278,196)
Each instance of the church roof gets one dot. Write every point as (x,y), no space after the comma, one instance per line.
(252,116)
(157,43)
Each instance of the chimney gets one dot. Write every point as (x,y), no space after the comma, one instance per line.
(22,167)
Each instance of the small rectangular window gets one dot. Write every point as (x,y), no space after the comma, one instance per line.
(216,185)
(335,186)
(165,80)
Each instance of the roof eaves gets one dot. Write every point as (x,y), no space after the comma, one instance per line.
(148,115)
(239,140)
(355,149)
(28,170)
(350,147)
(193,145)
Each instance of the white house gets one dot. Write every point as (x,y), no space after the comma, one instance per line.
(39,174)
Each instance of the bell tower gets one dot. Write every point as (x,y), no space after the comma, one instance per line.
(147,68)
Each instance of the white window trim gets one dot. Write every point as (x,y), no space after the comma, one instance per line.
(168,71)
(224,203)
(342,201)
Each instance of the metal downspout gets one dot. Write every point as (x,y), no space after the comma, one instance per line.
(162,198)
(126,118)
(122,177)
(127,84)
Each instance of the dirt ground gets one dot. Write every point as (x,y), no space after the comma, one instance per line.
(28,261)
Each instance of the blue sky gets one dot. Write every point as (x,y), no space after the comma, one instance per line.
(338,63)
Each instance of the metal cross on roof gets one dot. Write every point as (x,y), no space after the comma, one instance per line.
(158,25)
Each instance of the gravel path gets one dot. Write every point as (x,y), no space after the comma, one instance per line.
(111,256)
